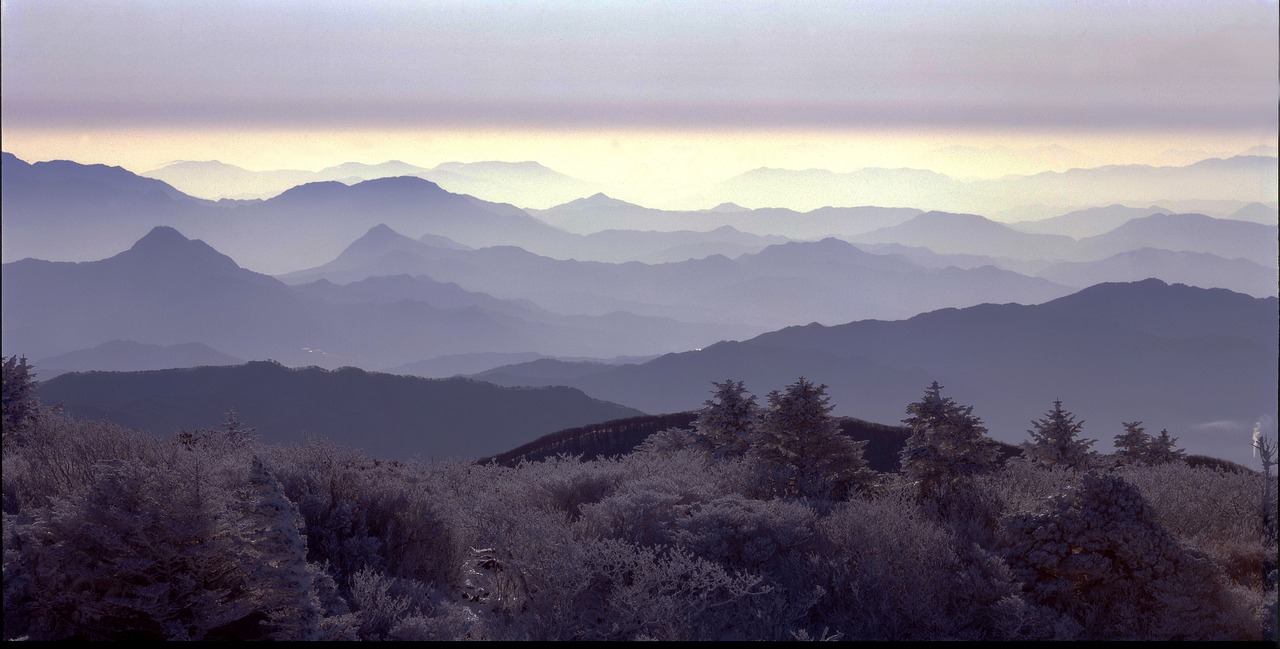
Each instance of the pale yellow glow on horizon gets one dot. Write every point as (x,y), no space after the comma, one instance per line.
(652,167)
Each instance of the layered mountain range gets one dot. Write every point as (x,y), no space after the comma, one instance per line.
(1201,362)
(108,270)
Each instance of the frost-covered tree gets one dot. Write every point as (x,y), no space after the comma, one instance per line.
(1161,450)
(275,553)
(948,443)
(1133,446)
(20,403)
(137,553)
(801,449)
(726,421)
(1055,441)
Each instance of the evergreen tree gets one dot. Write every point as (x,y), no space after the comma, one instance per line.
(20,403)
(276,553)
(1162,451)
(1133,446)
(1055,441)
(726,420)
(138,553)
(948,443)
(802,450)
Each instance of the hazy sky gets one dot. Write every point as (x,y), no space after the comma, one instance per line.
(725,85)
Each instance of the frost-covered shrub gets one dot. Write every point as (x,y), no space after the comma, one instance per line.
(772,539)
(1021,486)
(892,572)
(60,455)
(642,511)
(361,513)
(568,484)
(1100,559)
(1212,510)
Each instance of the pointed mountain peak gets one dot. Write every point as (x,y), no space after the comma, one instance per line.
(161,236)
(166,245)
(382,236)
(597,200)
(381,231)
(728,207)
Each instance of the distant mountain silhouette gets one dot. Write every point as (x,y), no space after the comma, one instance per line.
(1192,268)
(129,356)
(1088,222)
(388,416)
(1240,178)
(600,212)
(970,234)
(1198,362)
(650,246)
(530,182)
(450,365)
(826,281)
(546,370)
(816,188)
(527,184)
(164,290)
(1256,213)
(62,210)
(92,211)
(1187,232)
(168,289)
(214,180)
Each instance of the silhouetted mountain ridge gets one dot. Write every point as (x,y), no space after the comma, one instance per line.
(386,415)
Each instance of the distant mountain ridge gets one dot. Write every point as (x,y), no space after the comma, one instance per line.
(1200,362)
(167,289)
(828,281)
(1247,178)
(388,416)
(526,183)
(129,356)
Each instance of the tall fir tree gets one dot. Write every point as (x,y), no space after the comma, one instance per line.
(1055,441)
(20,403)
(726,421)
(276,553)
(948,443)
(1162,449)
(801,449)
(1133,446)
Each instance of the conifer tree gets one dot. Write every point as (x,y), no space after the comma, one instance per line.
(1133,446)
(20,403)
(1162,451)
(1055,441)
(725,423)
(948,443)
(802,450)
(277,555)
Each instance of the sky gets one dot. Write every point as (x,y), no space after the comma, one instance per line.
(650,95)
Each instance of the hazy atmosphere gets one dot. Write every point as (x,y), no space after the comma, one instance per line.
(650,103)
(640,321)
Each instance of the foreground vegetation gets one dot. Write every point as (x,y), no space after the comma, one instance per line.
(759,522)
